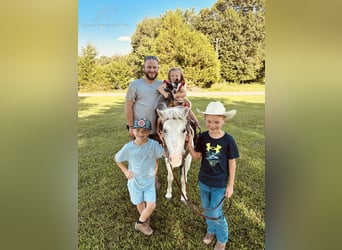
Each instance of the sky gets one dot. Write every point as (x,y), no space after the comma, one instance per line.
(109,25)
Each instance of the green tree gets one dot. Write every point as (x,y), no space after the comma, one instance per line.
(236,29)
(100,82)
(103,60)
(118,74)
(86,66)
(143,43)
(178,45)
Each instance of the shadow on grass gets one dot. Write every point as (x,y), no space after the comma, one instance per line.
(106,215)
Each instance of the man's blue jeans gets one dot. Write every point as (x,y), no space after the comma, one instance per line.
(210,197)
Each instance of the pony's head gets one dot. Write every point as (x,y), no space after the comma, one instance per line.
(174,131)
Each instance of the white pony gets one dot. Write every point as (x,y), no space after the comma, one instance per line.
(175,127)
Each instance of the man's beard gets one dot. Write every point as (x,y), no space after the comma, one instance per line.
(149,78)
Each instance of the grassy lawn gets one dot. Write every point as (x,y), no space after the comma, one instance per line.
(106,215)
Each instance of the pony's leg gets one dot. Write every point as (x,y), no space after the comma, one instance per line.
(184,177)
(169,180)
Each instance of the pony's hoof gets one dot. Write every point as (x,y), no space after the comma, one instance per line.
(183,200)
(168,196)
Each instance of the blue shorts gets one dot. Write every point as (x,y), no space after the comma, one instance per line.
(138,196)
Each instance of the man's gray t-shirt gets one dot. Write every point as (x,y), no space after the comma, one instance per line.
(144,96)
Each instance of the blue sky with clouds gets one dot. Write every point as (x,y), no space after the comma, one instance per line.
(108,25)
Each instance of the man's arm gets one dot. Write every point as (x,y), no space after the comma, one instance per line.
(129,116)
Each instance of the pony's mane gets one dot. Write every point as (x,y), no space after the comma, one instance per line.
(174,113)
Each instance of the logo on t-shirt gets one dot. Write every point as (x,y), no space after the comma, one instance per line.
(212,154)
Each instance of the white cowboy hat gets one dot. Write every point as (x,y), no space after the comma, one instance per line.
(217,108)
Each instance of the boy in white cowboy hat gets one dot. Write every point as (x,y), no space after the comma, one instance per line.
(218,151)
(142,154)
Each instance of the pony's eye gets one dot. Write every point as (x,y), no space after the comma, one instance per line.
(184,130)
(164,131)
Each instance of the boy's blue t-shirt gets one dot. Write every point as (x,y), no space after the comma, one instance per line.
(141,161)
(214,170)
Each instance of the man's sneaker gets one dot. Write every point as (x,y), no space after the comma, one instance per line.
(208,238)
(144,228)
(219,246)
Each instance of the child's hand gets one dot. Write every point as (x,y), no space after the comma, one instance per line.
(129,175)
(229,191)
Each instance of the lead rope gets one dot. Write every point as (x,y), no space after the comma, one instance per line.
(194,208)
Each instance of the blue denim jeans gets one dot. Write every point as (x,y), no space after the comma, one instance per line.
(210,197)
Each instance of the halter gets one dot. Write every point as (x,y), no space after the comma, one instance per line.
(161,137)
(194,208)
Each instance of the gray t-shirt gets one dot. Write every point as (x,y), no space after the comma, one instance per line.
(144,96)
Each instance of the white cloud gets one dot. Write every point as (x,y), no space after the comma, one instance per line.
(124,39)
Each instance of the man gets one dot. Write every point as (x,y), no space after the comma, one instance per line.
(142,95)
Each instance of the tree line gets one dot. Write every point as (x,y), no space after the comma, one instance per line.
(224,43)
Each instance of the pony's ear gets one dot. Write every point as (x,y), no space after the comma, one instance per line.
(186,111)
(163,106)
(160,113)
